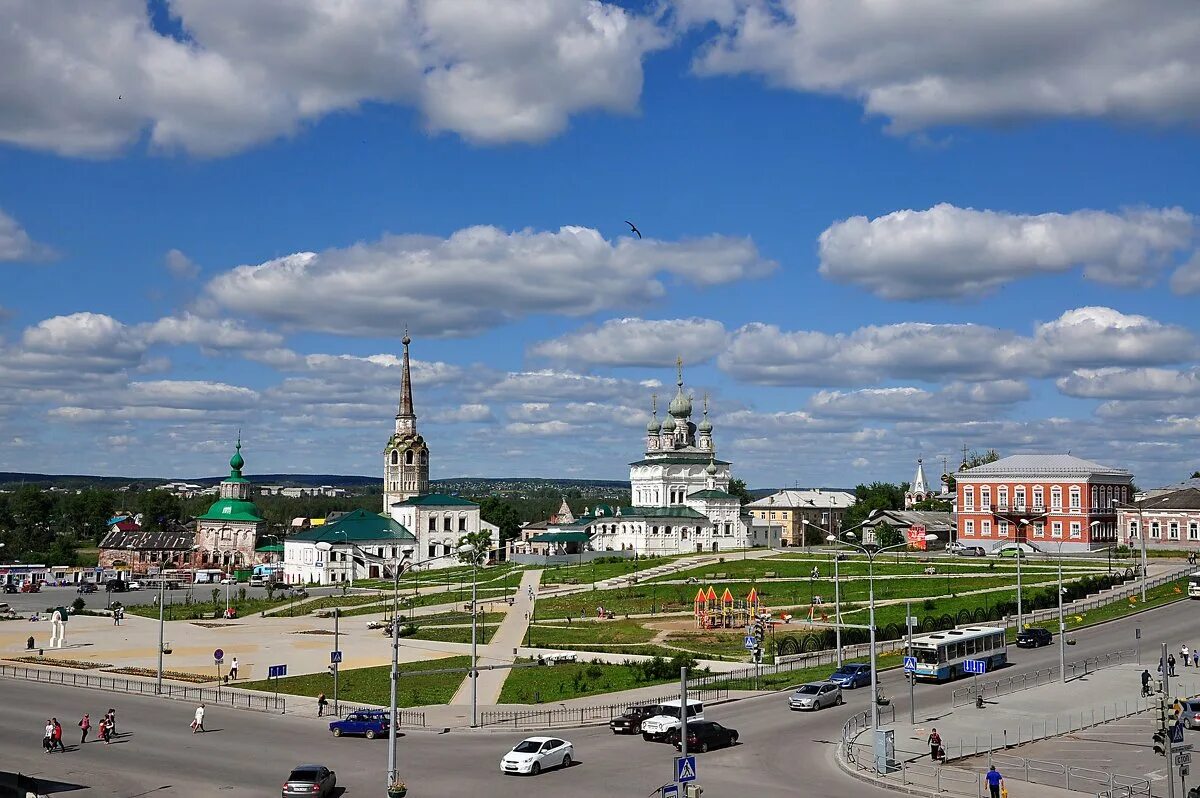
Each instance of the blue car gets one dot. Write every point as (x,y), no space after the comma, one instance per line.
(851,675)
(369,723)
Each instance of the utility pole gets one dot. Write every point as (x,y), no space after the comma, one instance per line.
(912,689)
(336,666)
(393,732)
(683,711)
(1167,697)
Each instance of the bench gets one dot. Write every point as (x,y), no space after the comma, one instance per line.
(769,575)
(720,576)
(709,576)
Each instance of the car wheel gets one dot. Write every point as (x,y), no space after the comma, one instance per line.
(704,748)
(337,732)
(567,761)
(646,737)
(370,734)
(535,769)
(838,701)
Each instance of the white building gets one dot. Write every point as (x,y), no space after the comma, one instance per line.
(680,491)
(359,533)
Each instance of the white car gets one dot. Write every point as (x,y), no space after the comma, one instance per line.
(534,754)
(257,581)
(134,585)
(667,719)
(229,580)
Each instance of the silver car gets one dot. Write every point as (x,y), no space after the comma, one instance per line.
(816,695)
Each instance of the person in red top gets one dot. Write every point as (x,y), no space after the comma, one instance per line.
(85,723)
(56,741)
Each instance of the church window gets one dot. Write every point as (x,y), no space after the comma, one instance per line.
(446,523)
(462,523)
(433,523)
(424,458)
(395,457)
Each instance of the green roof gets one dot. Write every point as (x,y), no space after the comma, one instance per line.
(712,494)
(436,500)
(232,510)
(561,537)
(273,548)
(356,526)
(676,459)
(661,512)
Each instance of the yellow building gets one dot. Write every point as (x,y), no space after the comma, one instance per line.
(787,510)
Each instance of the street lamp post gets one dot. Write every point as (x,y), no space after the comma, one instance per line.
(474,674)
(162,591)
(1141,538)
(871,555)
(837,585)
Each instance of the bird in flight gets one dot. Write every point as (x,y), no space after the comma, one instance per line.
(633,227)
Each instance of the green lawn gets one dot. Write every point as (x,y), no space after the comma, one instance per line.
(800,567)
(587,572)
(574,680)
(600,632)
(372,685)
(710,645)
(455,634)
(1155,597)
(179,610)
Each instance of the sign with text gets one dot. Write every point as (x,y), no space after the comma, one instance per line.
(916,536)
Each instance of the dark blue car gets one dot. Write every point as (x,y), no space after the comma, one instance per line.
(851,675)
(369,723)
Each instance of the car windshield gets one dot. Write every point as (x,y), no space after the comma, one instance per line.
(303,775)
(528,747)
(634,712)
(808,689)
(845,671)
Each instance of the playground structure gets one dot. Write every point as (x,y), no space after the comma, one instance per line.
(725,612)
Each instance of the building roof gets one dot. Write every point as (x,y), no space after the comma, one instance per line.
(127,526)
(1033,465)
(561,537)
(1186,499)
(711,493)
(933,520)
(435,500)
(232,510)
(271,548)
(815,498)
(354,527)
(661,512)
(138,540)
(679,458)
(1187,483)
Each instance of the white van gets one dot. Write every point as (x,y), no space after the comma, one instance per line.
(657,727)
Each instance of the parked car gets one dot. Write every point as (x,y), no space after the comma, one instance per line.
(534,754)
(1191,714)
(133,585)
(630,721)
(31,587)
(657,727)
(704,735)
(228,580)
(11,588)
(971,551)
(851,675)
(1034,637)
(315,780)
(816,695)
(87,587)
(297,593)
(257,581)
(370,723)
(1014,550)
(116,586)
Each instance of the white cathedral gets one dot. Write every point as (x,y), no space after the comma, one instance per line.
(680,495)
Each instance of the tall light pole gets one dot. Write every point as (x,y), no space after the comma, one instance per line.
(468,549)
(1141,537)
(837,586)
(162,593)
(353,564)
(871,555)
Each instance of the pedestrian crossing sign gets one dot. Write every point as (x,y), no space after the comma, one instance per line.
(910,663)
(685,768)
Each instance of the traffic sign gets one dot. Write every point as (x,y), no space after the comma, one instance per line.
(975,666)
(218,655)
(751,642)
(276,671)
(335,657)
(1183,759)
(685,769)
(1179,749)
(1177,733)
(910,664)
(912,621)
(670,791)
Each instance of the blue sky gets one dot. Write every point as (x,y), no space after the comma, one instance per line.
(873,230)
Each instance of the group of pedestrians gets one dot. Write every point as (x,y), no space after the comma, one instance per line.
(53,733)
(1189,658)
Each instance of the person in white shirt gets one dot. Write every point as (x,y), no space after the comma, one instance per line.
(48,739)
(198,721)
(233,669)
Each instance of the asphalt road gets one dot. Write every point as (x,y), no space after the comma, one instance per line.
(247,753)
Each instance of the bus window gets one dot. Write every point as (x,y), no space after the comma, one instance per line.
(926,656)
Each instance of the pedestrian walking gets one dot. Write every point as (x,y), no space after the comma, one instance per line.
(85,723)
(995,781)
(57,735)
(48,737)
(198,721)
(233,669)
(1145,683)
(106,729)
(935,745)
(1183,654)
(1170,664)
(111,717)
(321,702)
(1196,657)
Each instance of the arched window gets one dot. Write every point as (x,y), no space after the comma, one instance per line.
(424,457)
(395,457)
(408,457)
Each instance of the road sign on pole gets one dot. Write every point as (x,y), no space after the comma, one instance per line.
(910,664)
(335,657)
(218,655)
(276,671)
(685,769)
(1183,759)
(670,791)
(975,666)
(751,642)
(1176,734)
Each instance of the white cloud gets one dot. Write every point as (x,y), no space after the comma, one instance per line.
(923,63)
(637,342)
(955,401)
(208,334)
(180,265)
(92,80)
(463,414)
(955,252)
(1126,383)
(1186,279)
(476,279)
(539,429)
(15,243)
(1089,337)
(533,387)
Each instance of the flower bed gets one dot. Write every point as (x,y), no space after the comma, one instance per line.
(77,664)
(175,676)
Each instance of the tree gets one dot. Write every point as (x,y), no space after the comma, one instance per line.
(1195,475)
(975,458)
(737,487)
(876,496)
(159,509)
(476,545)
(887,535)
(497,511)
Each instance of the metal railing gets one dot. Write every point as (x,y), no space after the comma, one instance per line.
(1101,599)
(236,699)
(583,716)
(1024,681)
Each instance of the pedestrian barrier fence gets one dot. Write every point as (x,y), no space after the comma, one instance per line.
(1024,681)
(237,699)
(582,716)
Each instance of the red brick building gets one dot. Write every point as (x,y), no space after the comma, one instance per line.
(1046,500)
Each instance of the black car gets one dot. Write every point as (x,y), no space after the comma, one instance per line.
(1034,637)
(315,780)
(630,721)
(704,735)
(11,589)
(87,587)
(116,586)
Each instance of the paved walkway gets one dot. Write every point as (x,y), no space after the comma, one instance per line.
(504,646)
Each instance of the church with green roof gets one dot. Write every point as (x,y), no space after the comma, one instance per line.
(228,533)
